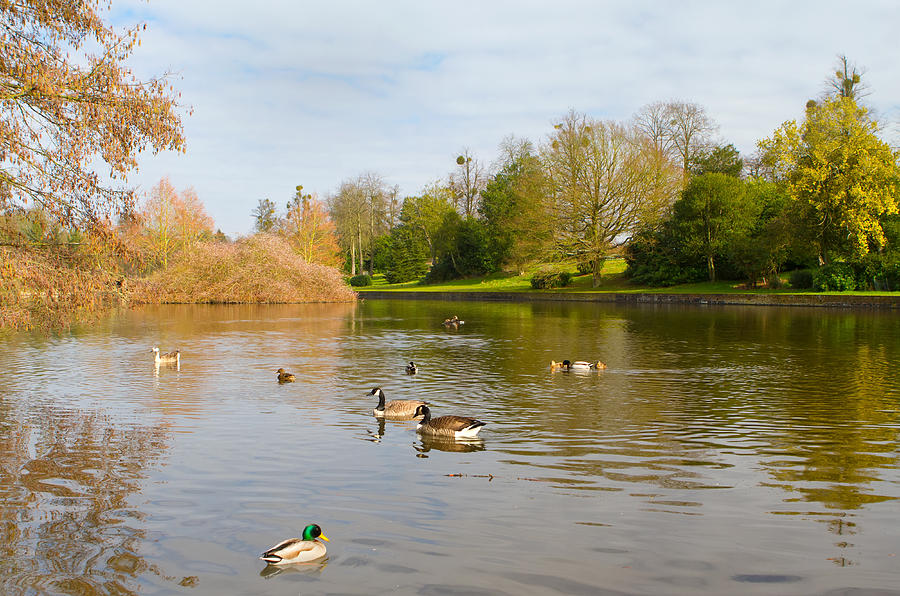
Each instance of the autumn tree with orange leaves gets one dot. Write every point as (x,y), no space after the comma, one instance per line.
(67,98)
(310,231)
(171,222)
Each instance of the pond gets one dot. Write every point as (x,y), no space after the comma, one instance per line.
(725,450)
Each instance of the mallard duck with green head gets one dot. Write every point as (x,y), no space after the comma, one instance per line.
(567,365)
(297,550)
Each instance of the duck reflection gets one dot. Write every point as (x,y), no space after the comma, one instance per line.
(427,443)
(312,569)
(166,366)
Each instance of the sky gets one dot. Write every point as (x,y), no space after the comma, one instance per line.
(280,93)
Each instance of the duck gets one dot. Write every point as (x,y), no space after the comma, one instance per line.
(168,358)
(297,550)
(452,322)
(411,368)
(396,408)
(451,427)
(285,377)
(566,365)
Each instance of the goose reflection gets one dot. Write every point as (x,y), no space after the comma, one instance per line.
(312,569)
(427,443)
(376,435)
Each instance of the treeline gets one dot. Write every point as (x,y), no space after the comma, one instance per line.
(163,225)
(663,190)
(162,251)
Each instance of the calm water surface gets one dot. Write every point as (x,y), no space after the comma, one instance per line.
(724,451)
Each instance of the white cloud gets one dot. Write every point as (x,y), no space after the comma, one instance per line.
(285,93)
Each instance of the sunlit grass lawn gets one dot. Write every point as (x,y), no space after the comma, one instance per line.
(613,280)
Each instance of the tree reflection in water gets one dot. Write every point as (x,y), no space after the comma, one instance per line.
(66,478)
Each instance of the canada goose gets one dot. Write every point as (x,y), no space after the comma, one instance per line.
(169,358)
(566,365)
(411,368)
(285,377)
(396,408)
(297,550)
(455,427)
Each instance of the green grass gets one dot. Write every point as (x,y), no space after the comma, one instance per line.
(613,280)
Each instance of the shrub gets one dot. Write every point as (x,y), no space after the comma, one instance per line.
(774,281)
(584,267)
(890,276)
(259,269)
(547,278)
(878,271)
(801,279)
(836,277)
(358,281)
(45,289)
(655,259)
(441,270)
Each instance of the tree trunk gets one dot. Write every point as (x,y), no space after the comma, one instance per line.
(359,243)
(711,267)
(596,270)
(372,238)
(352,258)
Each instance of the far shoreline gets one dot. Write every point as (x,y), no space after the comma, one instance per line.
(780,299)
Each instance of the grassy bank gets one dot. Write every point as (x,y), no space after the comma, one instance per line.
(613,280)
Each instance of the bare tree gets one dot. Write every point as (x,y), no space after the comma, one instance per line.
(690,131)
(360,210)
(467,182)
(653,121)
(847,80)
(679,130)
(607,179)
(347,207)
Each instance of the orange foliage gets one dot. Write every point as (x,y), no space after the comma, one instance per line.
(263,268)
(191,220)
(67,98)
(172,221)
(311,232)
(45,290)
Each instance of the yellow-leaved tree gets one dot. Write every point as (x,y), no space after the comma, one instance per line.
(310,231)
(67,98)
(839,175)
(172,222)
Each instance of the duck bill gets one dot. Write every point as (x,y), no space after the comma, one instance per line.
(324,537)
